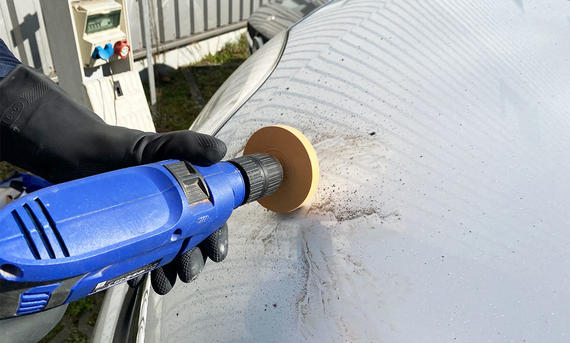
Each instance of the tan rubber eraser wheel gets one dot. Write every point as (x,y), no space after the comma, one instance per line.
(299,162)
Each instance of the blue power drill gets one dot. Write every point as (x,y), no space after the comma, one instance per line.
(64,242)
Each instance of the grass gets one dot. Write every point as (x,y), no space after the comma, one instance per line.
(176,108)
(78,321)
(231,53)
(77,308)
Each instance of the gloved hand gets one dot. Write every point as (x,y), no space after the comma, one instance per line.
(45,132)
(189,264)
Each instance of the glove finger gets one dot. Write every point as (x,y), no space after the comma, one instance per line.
(163,278)
(191,146)
(216,245)
(190,264)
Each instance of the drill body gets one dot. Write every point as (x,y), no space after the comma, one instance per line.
(64,242)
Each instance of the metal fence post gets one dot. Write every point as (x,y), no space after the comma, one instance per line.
(148,46)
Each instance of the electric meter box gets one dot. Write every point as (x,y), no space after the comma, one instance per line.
(100,26)
(89,41)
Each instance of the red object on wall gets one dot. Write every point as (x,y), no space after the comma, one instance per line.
(122,49)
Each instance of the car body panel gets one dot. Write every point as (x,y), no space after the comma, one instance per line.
(272,18)
(237,89)
(442,136)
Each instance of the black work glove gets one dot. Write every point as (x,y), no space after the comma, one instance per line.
(45,132)
(188,265)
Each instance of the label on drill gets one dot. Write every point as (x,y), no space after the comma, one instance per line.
(124,277)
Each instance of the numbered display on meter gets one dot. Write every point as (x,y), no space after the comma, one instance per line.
(101,22)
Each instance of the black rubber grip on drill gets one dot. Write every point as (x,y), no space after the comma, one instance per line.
(262,174)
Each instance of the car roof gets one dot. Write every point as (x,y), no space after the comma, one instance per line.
(442,135)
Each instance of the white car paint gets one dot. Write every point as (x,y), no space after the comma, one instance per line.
(442,214)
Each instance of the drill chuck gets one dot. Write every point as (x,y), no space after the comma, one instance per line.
(262,174)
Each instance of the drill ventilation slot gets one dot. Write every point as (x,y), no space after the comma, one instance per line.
(39,230)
